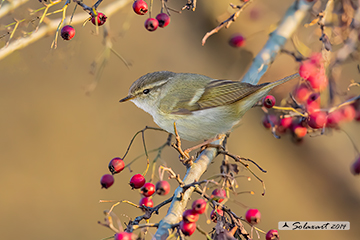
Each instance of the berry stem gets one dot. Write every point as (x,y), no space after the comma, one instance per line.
(288,109)
(63,10)
(150,8)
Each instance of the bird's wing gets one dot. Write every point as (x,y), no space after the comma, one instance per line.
(216,93)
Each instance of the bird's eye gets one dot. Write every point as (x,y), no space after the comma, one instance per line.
(146,91)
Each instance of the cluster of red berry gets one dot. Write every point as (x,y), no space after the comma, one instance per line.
(68,32)
(140,7)
(137,181)
(190,217)
(307,97)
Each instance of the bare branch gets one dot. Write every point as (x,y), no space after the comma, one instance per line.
(181,198)
(11,6)
(52,25)
(292,19)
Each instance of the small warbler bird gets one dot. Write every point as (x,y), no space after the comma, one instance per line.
(200,106)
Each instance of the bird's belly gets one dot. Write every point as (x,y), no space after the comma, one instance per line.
(200,125)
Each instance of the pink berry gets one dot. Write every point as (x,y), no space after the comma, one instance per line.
(237,40)
(151,24)
(218,195)
(272,235)
(255,14)
(106,181)
(148,189)
(123,236)
(213,215)
(190,216)
(199,206)
(355,167)
(100,19)
(147,202)
(137,181)
(163,19)
(318,81)
(307,69)
(317,119)
(116,165)
(67,32)
(162,188)
(253,216)
(268,101)
(187,228)
(140,7)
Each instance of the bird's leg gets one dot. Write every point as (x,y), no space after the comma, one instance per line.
(207,143)
(184,156)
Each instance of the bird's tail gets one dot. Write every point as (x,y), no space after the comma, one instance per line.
(271,85)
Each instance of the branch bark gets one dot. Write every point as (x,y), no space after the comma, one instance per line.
(180,199)
(292,19)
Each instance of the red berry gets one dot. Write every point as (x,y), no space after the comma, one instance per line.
(355,167)
(147,202)
(218,195)
(299,131)
(314,97)
(348,112)
(268,120)
(253,216)
(162,188)
(140,7)
(301,93)
(187,228)
(272,235)
(148,189)
(307,69)
(123,236)
(163,19)
(285,122)
(317,119)
(67,32)
(100,18)
(318,81)
(213,215)
(137,181)
(313,102)
(151,24)
(255,13)
(237,40)
(116,165)
(316,59)
(190,216)
(334,118)
(268,101)
(106,181)
(357,115)
(199,206)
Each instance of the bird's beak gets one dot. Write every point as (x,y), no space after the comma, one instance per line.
(125,99)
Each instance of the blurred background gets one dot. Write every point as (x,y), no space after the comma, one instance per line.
(56,140)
